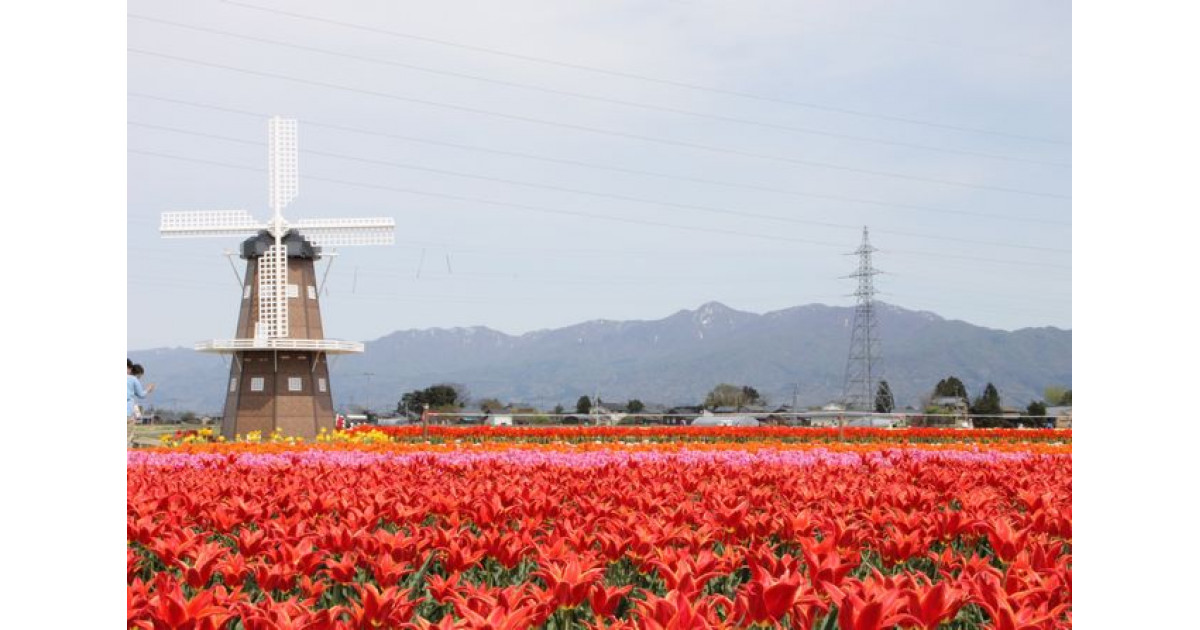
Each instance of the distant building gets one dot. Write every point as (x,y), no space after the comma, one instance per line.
(752,409)
(1061,416)
(950,402)
(725,420)
(607,418)
(876,422)
(682,414)
(604,407)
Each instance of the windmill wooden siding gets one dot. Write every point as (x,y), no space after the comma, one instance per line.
(299,413)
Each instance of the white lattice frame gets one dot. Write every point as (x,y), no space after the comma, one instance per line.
(347,232)
(327,346)
(272,293)
(283,164)
(191,223)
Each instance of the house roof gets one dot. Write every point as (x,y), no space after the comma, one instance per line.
(725,421)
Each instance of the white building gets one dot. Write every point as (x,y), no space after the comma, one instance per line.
(724,420)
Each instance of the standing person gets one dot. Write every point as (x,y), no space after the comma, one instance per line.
(138,416)
(133,390)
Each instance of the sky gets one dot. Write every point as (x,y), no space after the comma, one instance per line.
(549,163)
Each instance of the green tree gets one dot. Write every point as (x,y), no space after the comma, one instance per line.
(726,395)
(583,405)
(1056,395)
(884,401)
(491,404)
(439,397)
(987,404)
(635,406)
(558,409)
(1036,408)
(950,386)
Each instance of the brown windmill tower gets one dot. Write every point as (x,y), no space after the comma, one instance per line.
(279,375)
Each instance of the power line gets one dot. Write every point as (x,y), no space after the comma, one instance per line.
(873,33)
(627,198)
(404,295)
(601,99)
(604,167)
(457,249)
(395,272)
(584,214)
(648,79)
(210,261)
(496,203)
(595,130)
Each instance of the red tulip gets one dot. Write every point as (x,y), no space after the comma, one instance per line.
(935,605)
(1005,540)
(207,556)
(569,582)
(672,612)
(442,589)
(342,570)
(765,599)
(387,608)
(604,600)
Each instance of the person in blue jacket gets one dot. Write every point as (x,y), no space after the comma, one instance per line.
(133,390)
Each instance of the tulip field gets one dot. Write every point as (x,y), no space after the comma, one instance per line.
(663,527)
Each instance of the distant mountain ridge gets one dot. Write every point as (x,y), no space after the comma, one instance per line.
(673,360)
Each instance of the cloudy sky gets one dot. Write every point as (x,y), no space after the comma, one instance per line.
(553,162)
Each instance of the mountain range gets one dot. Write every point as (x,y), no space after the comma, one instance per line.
(795,352)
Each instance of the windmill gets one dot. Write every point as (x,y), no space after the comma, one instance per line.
(279,375)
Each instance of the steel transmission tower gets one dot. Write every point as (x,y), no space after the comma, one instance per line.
(863,365)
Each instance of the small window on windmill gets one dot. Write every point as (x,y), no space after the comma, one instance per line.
(293,291)
(321,385)
(232,385)
(246,292)
(312,292)
(295,384)
(257,383)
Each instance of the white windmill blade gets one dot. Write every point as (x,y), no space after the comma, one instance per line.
(345,232)
(283,166)
(272,293)
(209,223)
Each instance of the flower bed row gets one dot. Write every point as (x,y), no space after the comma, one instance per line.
(435,438)
(727,435)
(686,538)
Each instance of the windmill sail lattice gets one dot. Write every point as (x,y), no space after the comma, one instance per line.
(272,294)
(283,163)
(279,376)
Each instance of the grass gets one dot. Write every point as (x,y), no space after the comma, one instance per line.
(148,434)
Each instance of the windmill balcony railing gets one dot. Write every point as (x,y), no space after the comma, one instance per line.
(330,346)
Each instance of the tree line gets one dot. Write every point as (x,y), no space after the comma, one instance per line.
(949,396)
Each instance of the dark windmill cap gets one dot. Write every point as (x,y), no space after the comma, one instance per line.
(297,246)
